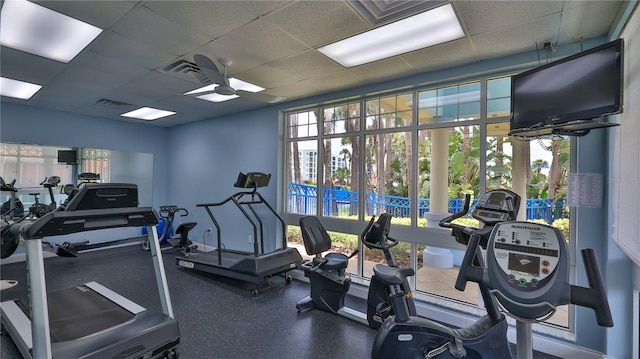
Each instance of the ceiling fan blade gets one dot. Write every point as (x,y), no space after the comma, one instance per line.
(210,70)
(260,96)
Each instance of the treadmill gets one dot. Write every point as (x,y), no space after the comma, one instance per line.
(89,320)
(255,267)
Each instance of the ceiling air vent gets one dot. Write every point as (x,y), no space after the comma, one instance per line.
(186,70)
(379,12)
(114,104)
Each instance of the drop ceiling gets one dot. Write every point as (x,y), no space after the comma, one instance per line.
(145,53)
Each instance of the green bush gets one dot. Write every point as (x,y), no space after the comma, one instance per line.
(347,243)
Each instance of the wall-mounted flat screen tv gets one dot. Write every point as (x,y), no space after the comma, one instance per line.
(581,87)
(69,157)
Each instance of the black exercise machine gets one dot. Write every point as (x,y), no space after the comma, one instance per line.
(89,320)
(255,267)
(328,280)
(405,335)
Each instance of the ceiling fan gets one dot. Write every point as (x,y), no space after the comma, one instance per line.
(214,76)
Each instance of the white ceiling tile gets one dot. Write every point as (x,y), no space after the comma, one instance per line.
(518,38)
(317,23)
(450,54)
(22,66)
(145,26)
(296,90)
(336,81)
(261,43)
(386,69)
(213,18)
(600,15)
(102,14)
(308,64)
(120,47)
(268,76)
(483,16)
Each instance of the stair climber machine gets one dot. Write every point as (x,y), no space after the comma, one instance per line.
(89,320)
(328,280)
(406,335)
(527,269)
(258,266)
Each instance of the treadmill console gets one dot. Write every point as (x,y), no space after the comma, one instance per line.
(496,206)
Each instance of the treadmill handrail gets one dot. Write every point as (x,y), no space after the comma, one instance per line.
(67,222)
(216,204)
(235,198)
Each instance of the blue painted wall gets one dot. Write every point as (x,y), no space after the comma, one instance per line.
(23,124)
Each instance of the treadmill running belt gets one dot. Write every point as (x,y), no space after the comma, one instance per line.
(79,311)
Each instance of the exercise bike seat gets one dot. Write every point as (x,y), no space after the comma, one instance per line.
(316,241)
(183,230)
(392,275)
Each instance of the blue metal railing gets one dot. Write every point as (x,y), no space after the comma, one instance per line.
(303,199)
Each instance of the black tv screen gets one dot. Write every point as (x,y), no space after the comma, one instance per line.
(69,157)
(583,86)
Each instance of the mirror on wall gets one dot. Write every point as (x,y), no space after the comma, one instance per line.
(33,166)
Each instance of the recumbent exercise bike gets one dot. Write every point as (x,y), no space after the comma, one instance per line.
(328,280)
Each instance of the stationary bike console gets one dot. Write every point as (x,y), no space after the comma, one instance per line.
(527,269)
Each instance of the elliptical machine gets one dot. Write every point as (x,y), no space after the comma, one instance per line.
(327,278)
(406,335)
(527,270)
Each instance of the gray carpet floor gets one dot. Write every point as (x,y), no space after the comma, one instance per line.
(218,317)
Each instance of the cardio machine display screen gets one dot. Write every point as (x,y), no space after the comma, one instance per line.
(524,263)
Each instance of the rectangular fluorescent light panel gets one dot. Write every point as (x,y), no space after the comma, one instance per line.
(148,113)
(17,89)
(429,28)
(35,29)
(233,82)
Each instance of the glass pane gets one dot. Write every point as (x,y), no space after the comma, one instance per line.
(342,119)
(469,92)
(437,273)
(469,111)
(547,183)
(387,182)
(340,189)
(427,115)
(448,164)
(302,175)
(302,124)
(373,122)
(498,107)
(389,112)
(499,88)
(405,102)
(340,242)
(499,156)
(447,113)
(427,102)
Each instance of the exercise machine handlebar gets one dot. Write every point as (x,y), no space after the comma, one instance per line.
(447,221)
(595,296)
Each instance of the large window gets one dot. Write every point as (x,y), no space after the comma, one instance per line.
(416,155)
